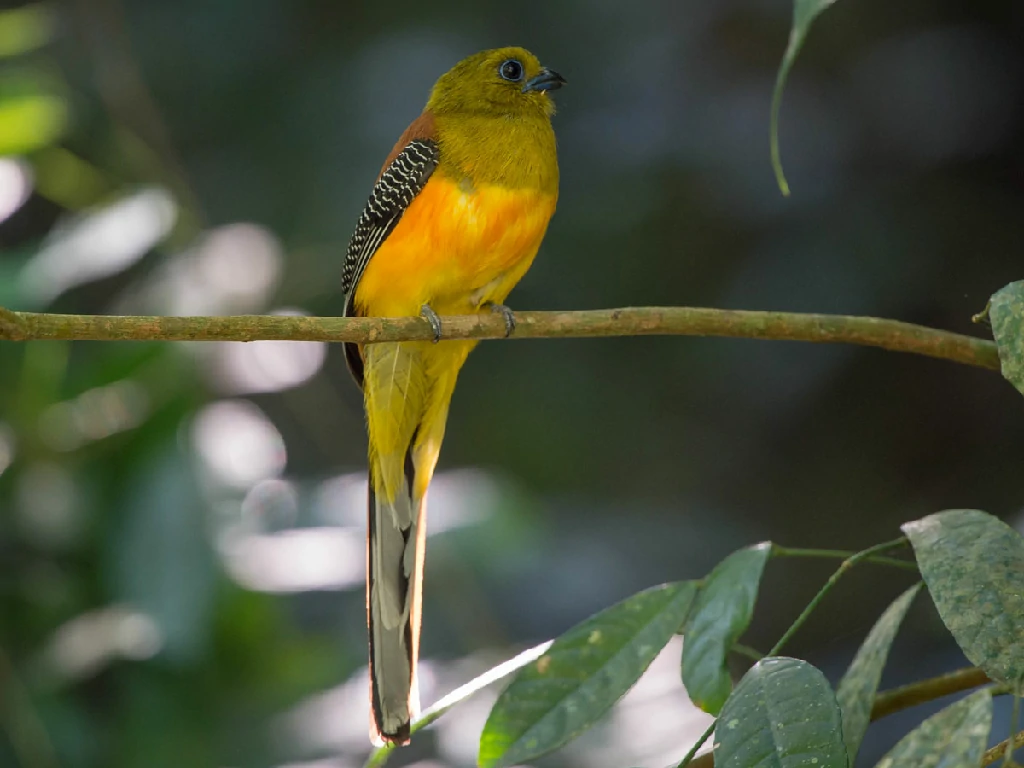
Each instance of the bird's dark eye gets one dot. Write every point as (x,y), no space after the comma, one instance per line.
(511,70)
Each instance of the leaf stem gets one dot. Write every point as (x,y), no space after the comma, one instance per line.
(840,554)
(746,650)
(846,565)
(379,756)
(700,743)
(629,321)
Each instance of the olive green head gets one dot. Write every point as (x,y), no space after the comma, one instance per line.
(500,82)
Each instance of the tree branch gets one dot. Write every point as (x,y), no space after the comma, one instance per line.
(10,325)
(998,752)
(913,694)
(632,321)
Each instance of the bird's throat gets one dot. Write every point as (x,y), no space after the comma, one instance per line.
(512,152)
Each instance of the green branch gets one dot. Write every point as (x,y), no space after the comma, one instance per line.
(634,321)
(841,554)
(689,760)
(745,650)
(911,695)
(846,565)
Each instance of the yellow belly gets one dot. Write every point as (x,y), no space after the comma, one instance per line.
(455,249)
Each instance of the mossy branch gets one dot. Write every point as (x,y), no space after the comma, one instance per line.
(632,321)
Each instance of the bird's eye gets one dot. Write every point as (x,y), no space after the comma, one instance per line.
(511,70)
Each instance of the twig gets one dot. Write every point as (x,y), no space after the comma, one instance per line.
(10,325)
(913,694)
(841,554)
(745,650)
(636,321)
(688,760)
(846,565)
(1002,748)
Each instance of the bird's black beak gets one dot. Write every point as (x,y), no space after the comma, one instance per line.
(547,80)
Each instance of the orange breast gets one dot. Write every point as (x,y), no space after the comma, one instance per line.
(455,248)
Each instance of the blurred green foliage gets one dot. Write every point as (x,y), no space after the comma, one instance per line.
(179,525)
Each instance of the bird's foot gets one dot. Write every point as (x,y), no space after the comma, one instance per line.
(431,317)
(507,315)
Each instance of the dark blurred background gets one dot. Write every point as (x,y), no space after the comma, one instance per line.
(181,556)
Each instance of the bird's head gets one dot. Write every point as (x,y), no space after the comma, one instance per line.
(501,82)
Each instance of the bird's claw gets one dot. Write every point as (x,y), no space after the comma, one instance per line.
(431,317)
(507,315)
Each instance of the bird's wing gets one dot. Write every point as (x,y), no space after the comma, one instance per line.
(396,188)
(401,180)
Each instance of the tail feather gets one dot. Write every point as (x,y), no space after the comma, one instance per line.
(394,568)
(407,389)
(396,388)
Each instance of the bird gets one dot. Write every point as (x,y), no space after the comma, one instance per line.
(454,221)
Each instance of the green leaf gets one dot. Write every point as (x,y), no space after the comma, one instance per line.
(721,614)
(973,564)
(781,715)
(1006,311)
(856,692)
(586,670)
(804,12)
(953,738)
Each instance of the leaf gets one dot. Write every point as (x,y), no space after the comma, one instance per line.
(804,12)
(721,614)
(1006,311)
(856,692)
(587,670)
(973,564)
(953,738)
(781,715)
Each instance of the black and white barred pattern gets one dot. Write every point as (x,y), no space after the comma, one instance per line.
(394,191)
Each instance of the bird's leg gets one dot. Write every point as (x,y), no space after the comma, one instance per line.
(507,315)
(431,317)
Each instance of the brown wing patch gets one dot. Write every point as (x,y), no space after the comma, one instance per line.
(420,128)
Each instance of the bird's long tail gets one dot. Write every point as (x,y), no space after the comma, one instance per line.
(407,389)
